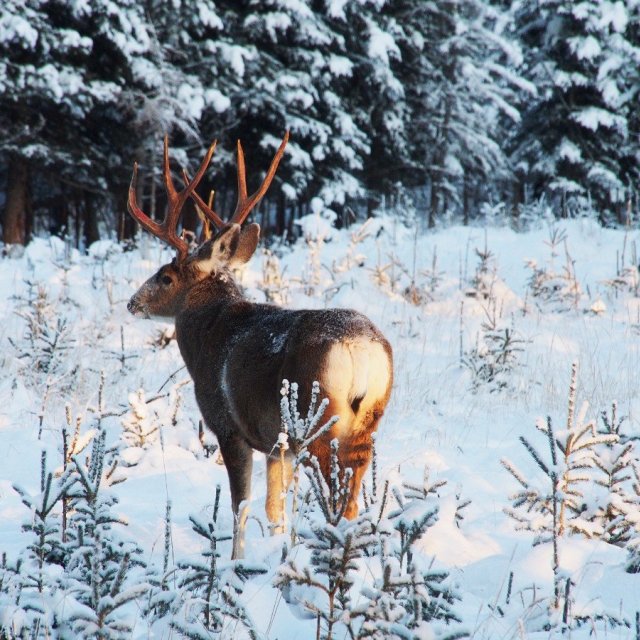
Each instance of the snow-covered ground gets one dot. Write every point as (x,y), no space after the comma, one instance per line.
(430,297)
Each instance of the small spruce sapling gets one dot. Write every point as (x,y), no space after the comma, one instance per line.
(207,596)
(496,354)
(297,433)
(560,291)
(142,424)
(104,571)
(556,507)
(323,589)
(485,275)
(28,587)
(410,597)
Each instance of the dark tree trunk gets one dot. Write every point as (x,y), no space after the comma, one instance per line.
(127,226)
(16,222)
(59,221)
(281,215)
(433,207)
(465,200)
(91,233)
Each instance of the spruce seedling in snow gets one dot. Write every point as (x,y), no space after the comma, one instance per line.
(433,276)
(616,507)
(484,277)
(27,590)
(274,283)
(555,507)
(206,600)
(496,353)
(410,597)
(46,341)
(353,257)
(558,290)
(103,570)
(297,433)
(335,544)
(142,423)
(407,598)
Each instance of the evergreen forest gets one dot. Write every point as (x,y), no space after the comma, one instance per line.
(446,110)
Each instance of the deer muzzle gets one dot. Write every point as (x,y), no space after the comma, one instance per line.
(137,309)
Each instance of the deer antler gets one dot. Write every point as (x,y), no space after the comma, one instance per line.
(245,204)
(176,200)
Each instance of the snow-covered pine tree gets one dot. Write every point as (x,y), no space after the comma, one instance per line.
(202,70)
(90,68)
(458,68)
(558,507)
(206,601)
(299,74)
(28,589)
(409,597)
(323,588)
(616,506)
(104,572)
(575,138)
(375,94)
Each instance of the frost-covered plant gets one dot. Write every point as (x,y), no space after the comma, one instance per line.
(433,277)
(123,355)
(206,600)
(556,505)
(627,278)
(142,423)
(616,507)
(103,570)
(316,230)
(353,256)
(77,577)
(484,277)
(47,336)
(496,353)
(593,474)
(323,586)
(410,596)
(297,433)
(274,283)
(28,586)
(559,508)
(319,572)
(559,290)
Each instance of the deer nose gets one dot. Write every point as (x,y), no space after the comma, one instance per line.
(132,306)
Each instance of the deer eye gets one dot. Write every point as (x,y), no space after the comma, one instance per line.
(165,279)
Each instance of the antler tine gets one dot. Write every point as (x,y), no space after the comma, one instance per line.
(167,229)
(245,205)
(203,206)
(158,230)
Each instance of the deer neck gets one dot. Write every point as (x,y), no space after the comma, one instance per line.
(203,307)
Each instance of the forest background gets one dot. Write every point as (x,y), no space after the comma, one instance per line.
(449,109)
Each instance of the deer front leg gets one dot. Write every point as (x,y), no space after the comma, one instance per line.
(279,475)
(238,459)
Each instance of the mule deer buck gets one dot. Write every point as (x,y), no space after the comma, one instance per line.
(238,352)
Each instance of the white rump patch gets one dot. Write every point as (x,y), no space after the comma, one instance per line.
(356,369)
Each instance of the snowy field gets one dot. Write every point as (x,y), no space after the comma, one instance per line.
(484,343)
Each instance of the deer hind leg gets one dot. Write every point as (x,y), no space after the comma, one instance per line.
(279,475)
(238,459)
(356,450)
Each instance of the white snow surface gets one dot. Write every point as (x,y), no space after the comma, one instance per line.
(434,420)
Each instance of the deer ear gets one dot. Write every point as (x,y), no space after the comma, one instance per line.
(249,237)
(219,250)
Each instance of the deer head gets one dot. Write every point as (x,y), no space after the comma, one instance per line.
(164,294)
